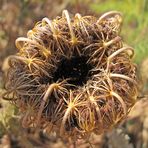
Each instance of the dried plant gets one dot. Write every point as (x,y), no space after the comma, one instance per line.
(73,76)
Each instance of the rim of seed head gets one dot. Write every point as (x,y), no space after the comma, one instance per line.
(73,75)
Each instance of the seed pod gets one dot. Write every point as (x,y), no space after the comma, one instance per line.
(73,75)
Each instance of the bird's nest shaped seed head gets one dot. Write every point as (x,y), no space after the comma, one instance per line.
(73,75)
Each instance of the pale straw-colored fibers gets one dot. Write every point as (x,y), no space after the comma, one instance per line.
(73,75)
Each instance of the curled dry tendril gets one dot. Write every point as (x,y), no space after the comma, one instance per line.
(73,75)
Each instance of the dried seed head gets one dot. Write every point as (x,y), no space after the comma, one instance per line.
(73,75)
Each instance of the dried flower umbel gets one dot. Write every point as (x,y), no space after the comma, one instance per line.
(73,75)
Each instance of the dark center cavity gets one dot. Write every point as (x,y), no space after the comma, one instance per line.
(75,68)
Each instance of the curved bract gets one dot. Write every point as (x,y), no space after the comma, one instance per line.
(73,75)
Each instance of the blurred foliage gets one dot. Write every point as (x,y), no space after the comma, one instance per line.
(135,23)
(7,117)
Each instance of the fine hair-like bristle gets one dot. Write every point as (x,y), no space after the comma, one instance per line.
(73,76)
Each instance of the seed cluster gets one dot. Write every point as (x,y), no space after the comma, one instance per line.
(73,76)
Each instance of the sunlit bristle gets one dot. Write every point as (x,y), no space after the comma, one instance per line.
(74,74)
